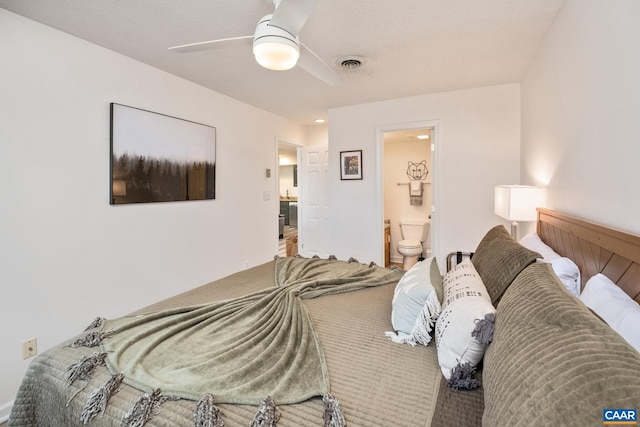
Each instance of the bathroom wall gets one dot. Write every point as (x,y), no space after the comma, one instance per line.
(396,197)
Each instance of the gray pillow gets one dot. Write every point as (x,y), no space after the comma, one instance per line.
(436,280)
(499,259)
(552,362)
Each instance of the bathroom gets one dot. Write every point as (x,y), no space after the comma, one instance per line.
(407,191)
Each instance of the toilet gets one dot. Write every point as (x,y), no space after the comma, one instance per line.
(414,235)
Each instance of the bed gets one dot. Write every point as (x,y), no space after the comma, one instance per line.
(549,360)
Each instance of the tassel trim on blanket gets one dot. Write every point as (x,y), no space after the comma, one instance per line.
(267,415)
(97,322)
(332,413)
(483,332)
(145,408)
(91,339)
(84,369)
(207,414)
(334,258)
(98,399)
(461,377)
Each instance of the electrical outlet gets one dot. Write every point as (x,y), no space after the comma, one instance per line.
(29,348)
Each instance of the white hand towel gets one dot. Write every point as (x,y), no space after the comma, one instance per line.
(415,188)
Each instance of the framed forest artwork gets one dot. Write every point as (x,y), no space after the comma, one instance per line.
(351,165)
(159,158)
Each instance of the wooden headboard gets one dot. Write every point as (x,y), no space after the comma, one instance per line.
(594,248)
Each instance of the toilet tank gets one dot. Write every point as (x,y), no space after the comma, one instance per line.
(414,229)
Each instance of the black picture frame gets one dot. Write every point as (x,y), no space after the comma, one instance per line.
(159,158)
(351,165)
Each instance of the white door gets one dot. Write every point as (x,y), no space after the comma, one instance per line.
(314,212)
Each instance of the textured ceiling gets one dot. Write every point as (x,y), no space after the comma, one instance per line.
(410,47)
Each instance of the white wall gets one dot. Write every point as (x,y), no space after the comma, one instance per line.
(580,110)
(317,135)
(67,256)
(478,147)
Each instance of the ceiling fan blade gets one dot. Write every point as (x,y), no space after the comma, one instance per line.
(291,15)
(213,44)
(312,64)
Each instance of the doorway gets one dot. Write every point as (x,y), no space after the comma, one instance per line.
(287,191)
(408,185)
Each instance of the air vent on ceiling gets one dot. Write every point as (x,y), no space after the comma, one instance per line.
(350,62)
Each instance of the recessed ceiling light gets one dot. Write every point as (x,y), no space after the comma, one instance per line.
(319,121)
(422,136)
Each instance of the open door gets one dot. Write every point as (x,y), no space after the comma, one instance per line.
(399,148)
(287,189)
(313,166)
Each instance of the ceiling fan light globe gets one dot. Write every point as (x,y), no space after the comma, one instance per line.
(273,47)
(276,55)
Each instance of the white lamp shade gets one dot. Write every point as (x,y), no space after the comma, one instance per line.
(273,47)
(518,202)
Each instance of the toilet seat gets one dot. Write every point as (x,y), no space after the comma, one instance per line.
(410,244)
(410,251)
(415,234)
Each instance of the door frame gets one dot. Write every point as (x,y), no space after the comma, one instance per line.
(434,231)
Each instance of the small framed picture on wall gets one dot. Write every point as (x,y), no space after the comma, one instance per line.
(351,164)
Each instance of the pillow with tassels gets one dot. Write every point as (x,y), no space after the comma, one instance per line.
(465,325)
(416,304)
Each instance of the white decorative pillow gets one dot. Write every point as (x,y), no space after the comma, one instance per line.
(533,242)
(465,325)
(415,305)
(566,270)
(614,306)
(568,273)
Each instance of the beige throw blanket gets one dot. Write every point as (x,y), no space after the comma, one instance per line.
(239,350)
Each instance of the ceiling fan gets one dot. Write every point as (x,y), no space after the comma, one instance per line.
(275,42)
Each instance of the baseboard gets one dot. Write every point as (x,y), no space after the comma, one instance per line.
(5,410)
